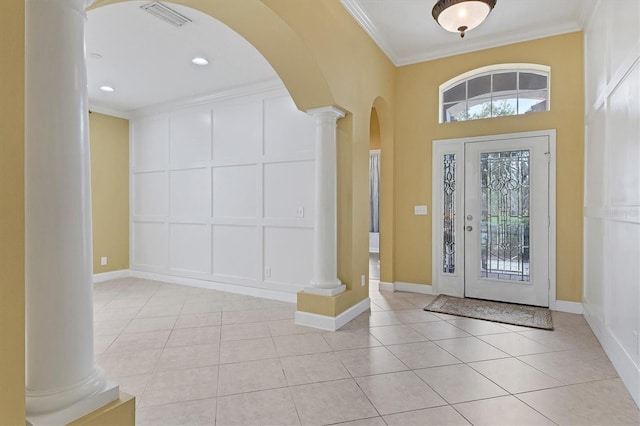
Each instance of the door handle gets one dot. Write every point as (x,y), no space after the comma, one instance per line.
(469,228)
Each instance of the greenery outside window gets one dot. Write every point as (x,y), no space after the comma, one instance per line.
(495,91)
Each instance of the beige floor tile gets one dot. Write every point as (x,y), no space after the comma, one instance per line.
(133,385)
(515,344)
(393,304)
(247,350)
(470,349)
(127,302)
(561,340)
(115,314)
(242,305)
(351,339)
(257,315)
(412,316)
(194,336)
(192,413)
(139,325)
(201,307)
(514,375)
(109,327)
(331,402)
(198,320)
(478,327)
(460,383)
(313,368)
(204,297)
(250,376)
(422,355)
(367,361)
(166,299)
(373,421)
(189,357)
(250,330)
(378,319)
(504,410)
(436,330)
(396,334)
(130,363)
(398,392)
(102,342)
(604,402)
(438,416)
(167,387)
(574,366)
(135,342)
(270,407)
(287,327)
(300,344)
(151,311)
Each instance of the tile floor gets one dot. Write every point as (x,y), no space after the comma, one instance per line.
(199,357)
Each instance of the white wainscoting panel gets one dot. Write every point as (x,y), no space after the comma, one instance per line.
(236,251)
(287,254)
(190,248)
(151,245)
(150,144)
(287,129)
(611,293)
(190,137)
(190,193)
(286,189)
(216,192)
(235,191)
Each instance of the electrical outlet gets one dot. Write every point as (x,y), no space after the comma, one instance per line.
(420,210)
(363,280)
(103,260)
(300,212)
(267,272)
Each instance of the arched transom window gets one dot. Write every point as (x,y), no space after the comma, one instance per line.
(495,91)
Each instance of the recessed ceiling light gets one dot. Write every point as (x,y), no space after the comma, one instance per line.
(107,89)
(200,61)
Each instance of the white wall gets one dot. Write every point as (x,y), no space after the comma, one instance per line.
(216,189)
(611,298)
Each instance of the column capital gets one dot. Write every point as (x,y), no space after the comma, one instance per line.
(326,113)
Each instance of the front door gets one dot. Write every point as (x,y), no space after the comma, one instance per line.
(506,211)
(492,216)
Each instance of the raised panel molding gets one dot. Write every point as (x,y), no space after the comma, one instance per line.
(220,202)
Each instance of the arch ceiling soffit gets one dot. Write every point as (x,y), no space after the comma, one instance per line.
(274,39)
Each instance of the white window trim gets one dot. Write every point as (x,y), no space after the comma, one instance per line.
(493,69)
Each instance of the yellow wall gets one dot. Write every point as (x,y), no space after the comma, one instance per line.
(417,126)
(109,138)
(12,407)
(119,412)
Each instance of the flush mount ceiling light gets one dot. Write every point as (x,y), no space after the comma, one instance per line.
(198,60)
(107,89)
(459,16)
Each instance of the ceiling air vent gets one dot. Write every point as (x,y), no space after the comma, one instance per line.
(165,13)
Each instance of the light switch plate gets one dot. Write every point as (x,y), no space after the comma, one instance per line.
(420,210)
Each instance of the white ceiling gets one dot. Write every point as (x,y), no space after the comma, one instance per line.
(407,33)
(148,61)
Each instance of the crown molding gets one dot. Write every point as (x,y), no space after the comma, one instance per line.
(494,41)
(368,26)
(100,109)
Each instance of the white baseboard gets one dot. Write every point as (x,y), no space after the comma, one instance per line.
(215,285)
(627,369)
(113,275)
(570,307)
(325,322)
(413,288)
(408,287)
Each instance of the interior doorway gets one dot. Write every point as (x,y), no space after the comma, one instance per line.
(374,196)
(493,204)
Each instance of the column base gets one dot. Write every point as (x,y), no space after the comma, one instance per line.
(109,393)
(326,291)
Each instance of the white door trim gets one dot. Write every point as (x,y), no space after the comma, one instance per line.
(453,284)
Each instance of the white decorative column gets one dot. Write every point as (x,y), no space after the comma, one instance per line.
(325,257)
(62,382)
